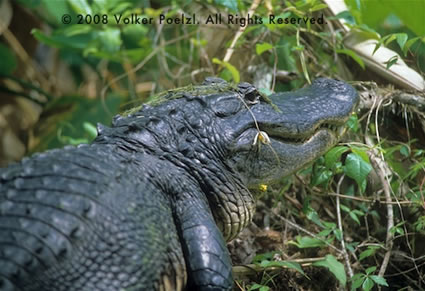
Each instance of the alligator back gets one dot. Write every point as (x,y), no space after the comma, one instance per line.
(71,220)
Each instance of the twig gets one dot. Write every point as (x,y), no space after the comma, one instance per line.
(238,34)
(31,71)
(338,212)
(142,63)
(382,174)
(250,269)
(405,202)
(274,69)
(390,214)
(296,226)
(21,94)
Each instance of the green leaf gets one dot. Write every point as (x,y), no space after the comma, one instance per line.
(119,8)
(397,229)
(255,287)
(8,61)
(370,270)
(362,152)
(379,280)
(311,214)
(90,129)
(367,284)
(404,150)
(401,39)
(353,55)
(377,46)
(391,62)
(231,4)
(288,264)
(266,256)
(59,40)
(346,15)
(307,242)
(67,120)
(357,280)
(262,47)
(230,67)
(80,7)
(354,217)
(56,9)
(334,155)
(293,265)
(409,43)
(318,7)
(322,177)
(335,267)
(29,3)
(353,214)
(338,234)
(367,253)
(110,39)
(344,208)
(353,122)
(76,29)
(389,38)
(412,15)
(358,169)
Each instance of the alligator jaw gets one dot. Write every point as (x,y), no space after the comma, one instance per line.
(336,129)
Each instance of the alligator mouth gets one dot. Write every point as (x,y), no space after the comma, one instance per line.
(335,129)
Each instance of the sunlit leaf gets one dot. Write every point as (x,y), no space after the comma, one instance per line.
(232,69)
(80,7)
(401,39)
(262,47)
(318,7)
(231,4)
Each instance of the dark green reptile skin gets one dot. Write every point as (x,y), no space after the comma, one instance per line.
(150,203)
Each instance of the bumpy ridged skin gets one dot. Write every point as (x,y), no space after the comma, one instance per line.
(150,203)
(76,219)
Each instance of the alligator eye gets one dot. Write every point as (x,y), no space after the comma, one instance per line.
(249,92)
(252,97)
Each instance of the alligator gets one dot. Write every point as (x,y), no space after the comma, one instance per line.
(151,202)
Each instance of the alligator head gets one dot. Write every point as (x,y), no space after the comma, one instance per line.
(274,140)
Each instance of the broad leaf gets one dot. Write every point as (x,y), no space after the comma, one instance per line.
(336,268)
(358,169)
(334,156)
(262,47)
(232,69)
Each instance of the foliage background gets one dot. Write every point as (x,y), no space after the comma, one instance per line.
(58,80)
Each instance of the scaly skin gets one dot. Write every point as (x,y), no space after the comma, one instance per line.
(150,203)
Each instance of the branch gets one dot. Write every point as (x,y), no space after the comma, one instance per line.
(238,34)
(344,250)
